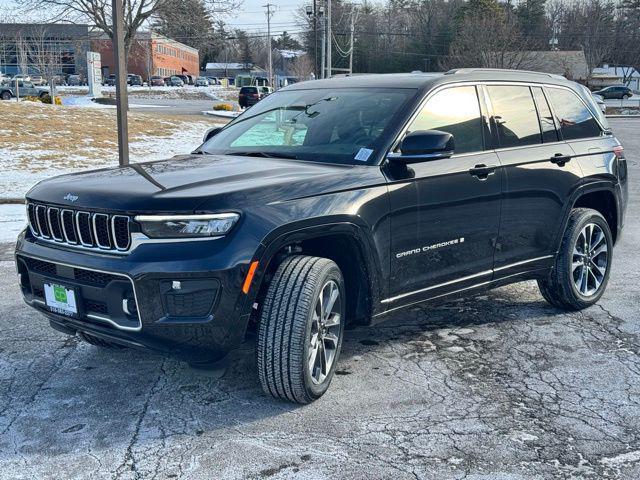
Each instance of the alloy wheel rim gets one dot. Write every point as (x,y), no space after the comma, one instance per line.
(325,332)
(590,260)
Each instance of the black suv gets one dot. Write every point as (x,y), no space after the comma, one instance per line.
(331,202)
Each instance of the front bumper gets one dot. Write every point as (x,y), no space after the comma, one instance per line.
(177,298)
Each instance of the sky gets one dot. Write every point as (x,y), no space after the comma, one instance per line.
(249,16)
(252,15)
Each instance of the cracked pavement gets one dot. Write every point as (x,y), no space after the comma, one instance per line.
(498,386)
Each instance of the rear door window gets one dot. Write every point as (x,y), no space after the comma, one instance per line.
(457,111)
(515,115)
(573,116)
(545,117)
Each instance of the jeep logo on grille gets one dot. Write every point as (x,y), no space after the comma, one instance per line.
(71,198)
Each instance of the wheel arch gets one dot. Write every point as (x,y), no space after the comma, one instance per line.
(345,243)
(600,196)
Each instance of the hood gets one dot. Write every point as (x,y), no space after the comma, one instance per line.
(183,183)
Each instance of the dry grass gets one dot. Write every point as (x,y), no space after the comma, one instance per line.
(44,134)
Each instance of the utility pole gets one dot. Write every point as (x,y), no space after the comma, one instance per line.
(329,40)
(269,45)
(122,103)
(351,29)
(323,52)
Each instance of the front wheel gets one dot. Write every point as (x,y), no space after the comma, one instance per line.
(301,329)
(582,266)
(5,95)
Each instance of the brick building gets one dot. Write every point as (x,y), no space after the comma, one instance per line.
(151,54)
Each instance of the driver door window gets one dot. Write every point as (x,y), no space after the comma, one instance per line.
(456,111)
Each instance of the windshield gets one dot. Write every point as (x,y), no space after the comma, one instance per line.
(345,125)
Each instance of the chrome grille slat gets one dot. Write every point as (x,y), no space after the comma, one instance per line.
(83,224)
(79,228)
(41,217)
(54,223)
(70,239)
(100,232)
(118,221)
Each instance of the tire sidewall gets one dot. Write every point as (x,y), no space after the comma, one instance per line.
(332,272)
(602,223)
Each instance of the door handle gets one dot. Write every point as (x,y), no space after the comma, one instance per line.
(560,159)
(482,171)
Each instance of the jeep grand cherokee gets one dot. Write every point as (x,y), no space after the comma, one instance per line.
(333,201)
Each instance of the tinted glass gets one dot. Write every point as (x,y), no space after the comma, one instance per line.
(572,115)
(515,115)
(456,111)
(340,125)
(549,133)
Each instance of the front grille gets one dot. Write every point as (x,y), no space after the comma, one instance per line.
(98,279)
(80,228)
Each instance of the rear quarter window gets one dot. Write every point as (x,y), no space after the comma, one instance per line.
(573,116)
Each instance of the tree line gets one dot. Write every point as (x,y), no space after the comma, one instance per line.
(390,35)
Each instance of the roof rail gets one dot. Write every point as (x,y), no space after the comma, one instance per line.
(455,71)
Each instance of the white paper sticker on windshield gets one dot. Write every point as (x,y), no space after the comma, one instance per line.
(363,154)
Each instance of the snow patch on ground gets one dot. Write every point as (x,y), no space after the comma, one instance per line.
(16,181)
(12,221)
(214,92)
(620,460)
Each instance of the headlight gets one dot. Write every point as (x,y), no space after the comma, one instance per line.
(185,226)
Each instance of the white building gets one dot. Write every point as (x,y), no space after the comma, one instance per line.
(619,75)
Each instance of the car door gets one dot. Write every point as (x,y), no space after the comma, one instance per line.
(538,172)
(445,213)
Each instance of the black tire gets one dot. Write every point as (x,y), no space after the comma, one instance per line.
(559,288)
(98,342)
(626,96)
(286,320)
(5,95)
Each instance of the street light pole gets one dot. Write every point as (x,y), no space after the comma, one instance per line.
(269,45)
(122,103)
(329,41)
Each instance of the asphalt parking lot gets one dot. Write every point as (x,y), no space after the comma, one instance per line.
(500,386)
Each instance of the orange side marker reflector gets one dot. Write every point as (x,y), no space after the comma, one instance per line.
(247,281)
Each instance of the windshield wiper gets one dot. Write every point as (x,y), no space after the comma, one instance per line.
(264,155)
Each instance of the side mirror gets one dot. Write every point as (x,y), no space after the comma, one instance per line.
(212,132)
(423,146)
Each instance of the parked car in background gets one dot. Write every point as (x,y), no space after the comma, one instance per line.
(134,80)
(175,81)
(249,96)
(38,80)
(156,81)
(25,89)
(185,79)
(213,81)
(201,82)
(615,92)
(75,80)
(110,80)
(20,76)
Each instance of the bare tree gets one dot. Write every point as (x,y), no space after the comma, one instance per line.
(98,12)
(301,67)
(489,41)
(44,52)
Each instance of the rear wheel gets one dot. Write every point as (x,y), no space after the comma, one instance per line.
(301,329)
(582,267)
(5,95)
